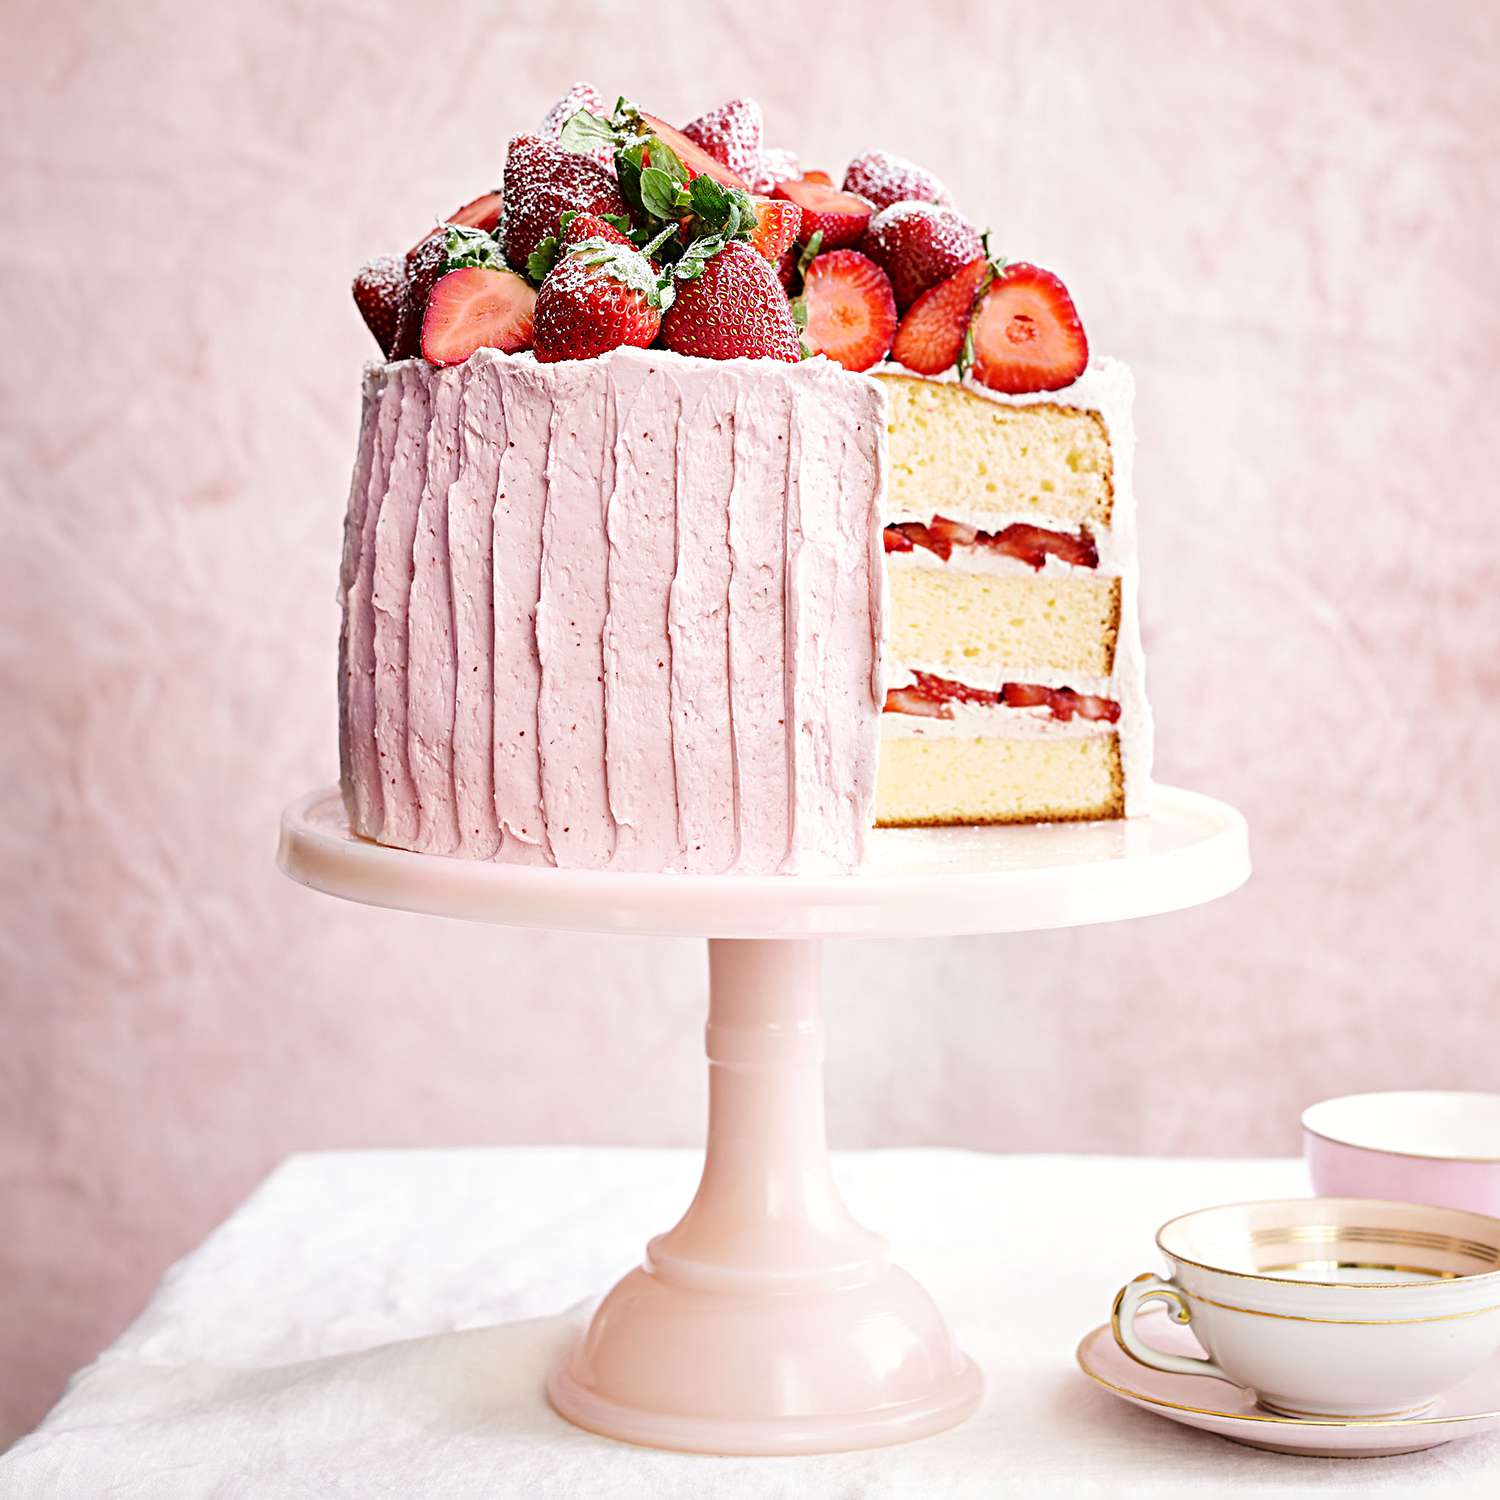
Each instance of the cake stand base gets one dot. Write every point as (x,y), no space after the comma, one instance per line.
(767,1321)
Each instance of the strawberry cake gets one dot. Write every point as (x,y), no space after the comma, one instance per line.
(706,513)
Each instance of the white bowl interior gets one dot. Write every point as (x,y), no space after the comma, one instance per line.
(1433,1123)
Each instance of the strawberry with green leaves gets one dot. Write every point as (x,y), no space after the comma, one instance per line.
(601,294)
(730,305)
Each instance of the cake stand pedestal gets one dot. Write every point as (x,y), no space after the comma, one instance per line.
(768,1321)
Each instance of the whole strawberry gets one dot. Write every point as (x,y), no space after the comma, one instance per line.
(730,134)
(736,309)
(919,245)
(379,291)
(542,181)
(602,294)
(885,178)
(424,264)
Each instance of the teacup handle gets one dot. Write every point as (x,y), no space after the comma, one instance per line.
(1122,1319)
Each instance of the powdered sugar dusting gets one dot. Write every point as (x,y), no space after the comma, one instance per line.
(885,178)
(776,164)
(731,134)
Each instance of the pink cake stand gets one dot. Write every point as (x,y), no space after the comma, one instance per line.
(768,1321)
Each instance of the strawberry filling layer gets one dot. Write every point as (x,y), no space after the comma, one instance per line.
(1032,545)
(932,697)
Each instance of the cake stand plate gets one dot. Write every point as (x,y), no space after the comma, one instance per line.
(768,1321)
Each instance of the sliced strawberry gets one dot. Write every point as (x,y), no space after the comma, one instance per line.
(473,308)
(851,314)
(931,335)
(379,291)
(601,295)
(424,264)
(730,134)
(919,245)
(692,155)
(1062,702)
(933,697)
(582,96)
(483,213)
(912,700)
(1024,695)
(776,164)
(813,175)
(885,178)
(735,309)
(776,227)
(1027,336)
(1032,545)
(541,181)
(841,218)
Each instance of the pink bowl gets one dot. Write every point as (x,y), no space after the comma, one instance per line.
(1416,1147)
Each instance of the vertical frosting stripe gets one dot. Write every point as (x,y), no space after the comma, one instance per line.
(520,507)
(431,658)
(372,390)
(570,614)
(698,628)
(364,761)
(395,532)
(471,502)
(757,620)
(641,529)
(854,689)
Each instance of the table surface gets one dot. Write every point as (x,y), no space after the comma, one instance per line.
(378,1324)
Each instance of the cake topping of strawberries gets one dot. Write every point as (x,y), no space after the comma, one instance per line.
(477,308)
(919,245)
(839,217)
(1025,334)
(542,180)
(931,336)
(734,308)
(850,310)
(584,97)
(379,291)
(602,294)
(482,212)
(730,134)
(885,178)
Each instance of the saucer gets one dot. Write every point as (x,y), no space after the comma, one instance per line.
(1220,1407)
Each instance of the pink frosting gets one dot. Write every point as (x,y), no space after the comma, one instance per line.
(618,613)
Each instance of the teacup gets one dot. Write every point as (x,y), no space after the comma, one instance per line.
(1425,1146)
(1327,1307)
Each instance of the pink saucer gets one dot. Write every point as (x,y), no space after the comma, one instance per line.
(1228,1410)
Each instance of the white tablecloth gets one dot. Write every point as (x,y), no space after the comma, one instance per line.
(377,1325)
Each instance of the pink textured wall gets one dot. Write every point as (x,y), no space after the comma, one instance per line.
(1283,215)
